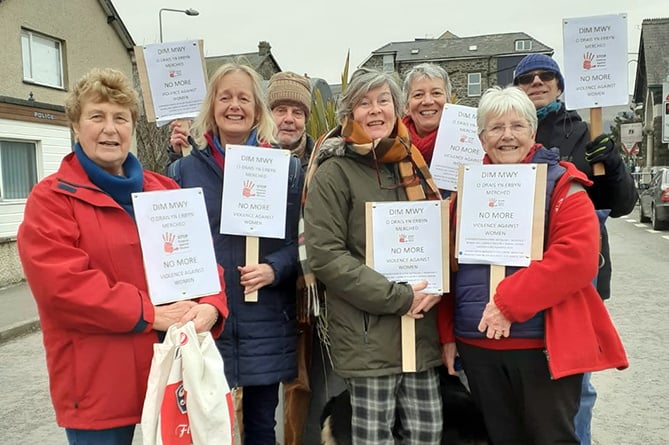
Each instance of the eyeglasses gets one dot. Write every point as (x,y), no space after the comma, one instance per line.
(545,76)
(516,129)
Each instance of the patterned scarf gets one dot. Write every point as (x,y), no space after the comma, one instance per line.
(415,176)
(396,148)
(424,144)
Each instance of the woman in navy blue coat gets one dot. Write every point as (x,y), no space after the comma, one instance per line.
(258,343)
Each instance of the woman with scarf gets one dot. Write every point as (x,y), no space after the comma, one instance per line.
(369,157)
(80,252)
(426,89)
(525,350)
(258,344)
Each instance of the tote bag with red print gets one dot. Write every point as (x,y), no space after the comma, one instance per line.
(188,400)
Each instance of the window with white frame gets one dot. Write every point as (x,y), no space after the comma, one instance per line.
(18,169)
(474,84)
(42,59)
(388,63)
(523,45)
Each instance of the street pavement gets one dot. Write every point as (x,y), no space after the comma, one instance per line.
(631,408)
(18,312)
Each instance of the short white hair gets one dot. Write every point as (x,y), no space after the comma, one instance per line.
(497,101)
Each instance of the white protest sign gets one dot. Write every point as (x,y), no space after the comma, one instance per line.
(174,75)
(457,144)
(176,244)
(595,61)
(630,136)
(495,214)
(255,189)
(407,242)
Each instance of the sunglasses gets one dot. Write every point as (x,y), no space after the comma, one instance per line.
(545,76)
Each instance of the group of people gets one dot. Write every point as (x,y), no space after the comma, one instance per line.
(527,352)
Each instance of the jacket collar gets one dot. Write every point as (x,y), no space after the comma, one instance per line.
(72,180)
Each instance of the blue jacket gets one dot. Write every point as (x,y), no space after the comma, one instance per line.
(258,343)
(472,282)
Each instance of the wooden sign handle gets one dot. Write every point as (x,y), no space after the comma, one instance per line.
(408,344)
(252,249)
(595,130)
(496,275)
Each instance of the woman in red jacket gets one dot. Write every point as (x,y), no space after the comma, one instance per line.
(81,256)
(525,350)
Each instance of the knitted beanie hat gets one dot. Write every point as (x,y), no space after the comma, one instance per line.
(289,87)
(533,62)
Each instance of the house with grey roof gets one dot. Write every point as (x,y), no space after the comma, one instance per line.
(262,61)
(473,63)
(46,47)
(651,72)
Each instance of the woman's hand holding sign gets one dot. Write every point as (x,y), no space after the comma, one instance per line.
(422,302)
(255,276)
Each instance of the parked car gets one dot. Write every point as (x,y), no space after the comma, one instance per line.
(654,200)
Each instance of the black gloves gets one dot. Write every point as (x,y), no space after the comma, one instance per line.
(601,149)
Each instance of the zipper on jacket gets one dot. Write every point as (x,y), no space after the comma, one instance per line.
(365,319)
(294,168)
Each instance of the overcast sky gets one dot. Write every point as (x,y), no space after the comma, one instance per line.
(312,36)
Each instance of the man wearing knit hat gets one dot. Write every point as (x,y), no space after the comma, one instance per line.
(613,194)
(289,98)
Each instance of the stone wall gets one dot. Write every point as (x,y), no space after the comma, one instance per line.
(267,69)
(374,63)
(11,271)
(457,71)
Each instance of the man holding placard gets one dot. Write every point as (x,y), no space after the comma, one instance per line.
(526,335)
(540,77)
(613,193)
(289,100)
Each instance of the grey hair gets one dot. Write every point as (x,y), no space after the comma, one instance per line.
(430,71)
(362,81)
(497,101)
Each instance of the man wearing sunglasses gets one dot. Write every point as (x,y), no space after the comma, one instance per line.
(613,194)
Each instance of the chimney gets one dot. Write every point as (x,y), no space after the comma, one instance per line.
(264,48)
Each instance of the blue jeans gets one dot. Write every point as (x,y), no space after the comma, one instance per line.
(112,436)
(584,415)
